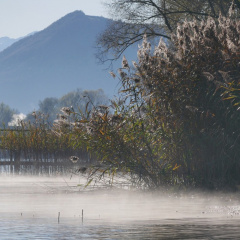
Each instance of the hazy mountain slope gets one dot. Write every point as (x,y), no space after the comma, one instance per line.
(6,42)
(53,62)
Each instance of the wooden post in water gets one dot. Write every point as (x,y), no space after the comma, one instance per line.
(11,162)
(82,215)
(17,156)
(58,217)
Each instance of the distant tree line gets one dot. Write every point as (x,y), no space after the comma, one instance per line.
(6,114)
(35,140)
(51,106)
(77,100)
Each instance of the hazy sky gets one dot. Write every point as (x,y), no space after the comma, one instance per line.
(20,17)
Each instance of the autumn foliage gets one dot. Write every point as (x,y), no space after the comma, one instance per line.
(177,119)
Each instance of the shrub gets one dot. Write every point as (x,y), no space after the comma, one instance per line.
(177,120)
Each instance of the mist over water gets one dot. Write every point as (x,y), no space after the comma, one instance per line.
(29,208)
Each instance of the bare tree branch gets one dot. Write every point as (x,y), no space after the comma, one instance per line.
(156,18)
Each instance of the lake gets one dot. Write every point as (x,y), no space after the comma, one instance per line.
(30,208)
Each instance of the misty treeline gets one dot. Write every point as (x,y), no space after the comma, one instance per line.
(51,106)
(176,121)
(31,147)
(33,138)
(6,114)
(77,100)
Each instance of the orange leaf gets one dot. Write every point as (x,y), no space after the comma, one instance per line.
(176,167)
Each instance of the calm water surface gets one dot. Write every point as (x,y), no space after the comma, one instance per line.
(29,210)
(16,228)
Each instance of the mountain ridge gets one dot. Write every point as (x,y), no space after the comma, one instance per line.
(54,61)
(6,42)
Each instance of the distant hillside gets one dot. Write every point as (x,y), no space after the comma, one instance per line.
(52,62)
(6,42)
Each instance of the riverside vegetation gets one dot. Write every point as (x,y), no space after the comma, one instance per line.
(31,147)
(176,120)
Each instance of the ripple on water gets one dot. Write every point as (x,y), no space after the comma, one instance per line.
(73,229)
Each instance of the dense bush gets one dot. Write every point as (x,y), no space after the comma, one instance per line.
(177,119)
(194,92)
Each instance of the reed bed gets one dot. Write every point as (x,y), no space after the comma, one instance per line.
(35,144)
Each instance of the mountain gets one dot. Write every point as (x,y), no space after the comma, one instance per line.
(54,61)
(6,42)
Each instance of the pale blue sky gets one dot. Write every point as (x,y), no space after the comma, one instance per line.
(20,17)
